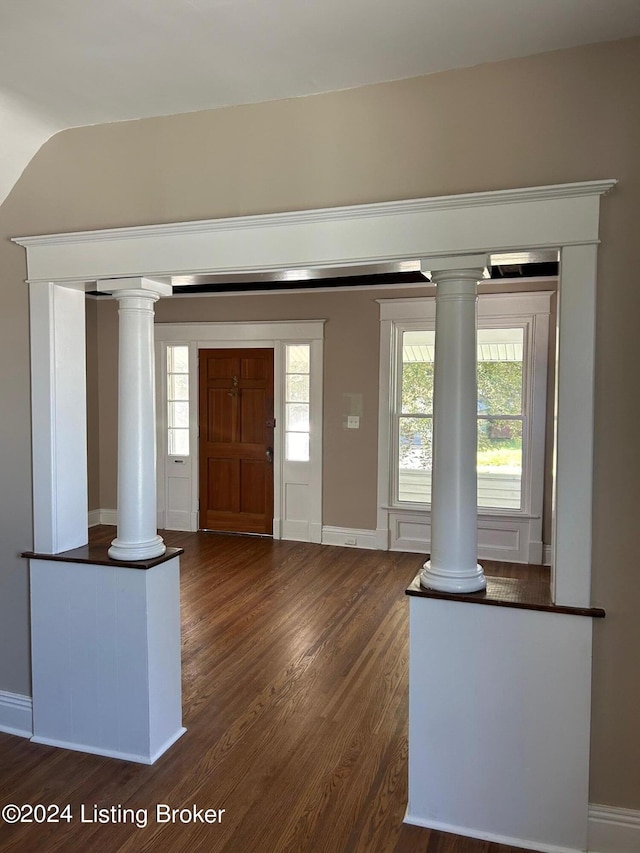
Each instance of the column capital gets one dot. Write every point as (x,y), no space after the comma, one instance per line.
(136,300)
(455,266)
(140,283)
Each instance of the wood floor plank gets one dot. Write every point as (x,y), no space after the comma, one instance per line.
(295,697)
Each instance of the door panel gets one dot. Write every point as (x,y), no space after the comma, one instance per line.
(252,416)
(220,484)
(236,432)
(252,485)
(220,368)
(220,417)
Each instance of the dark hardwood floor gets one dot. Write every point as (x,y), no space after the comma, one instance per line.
(295,700)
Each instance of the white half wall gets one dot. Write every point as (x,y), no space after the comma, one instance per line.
(106,657)
(499,720)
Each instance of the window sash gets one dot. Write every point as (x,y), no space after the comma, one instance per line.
(404,494)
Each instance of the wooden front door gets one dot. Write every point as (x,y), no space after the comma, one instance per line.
(236,440)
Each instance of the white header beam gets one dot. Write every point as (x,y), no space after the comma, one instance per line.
(537,217)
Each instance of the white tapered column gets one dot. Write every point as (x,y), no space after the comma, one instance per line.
(453,566)
(137,537)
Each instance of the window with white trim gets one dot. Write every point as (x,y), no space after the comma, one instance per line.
(513,339)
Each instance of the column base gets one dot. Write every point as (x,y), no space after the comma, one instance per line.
(125,551)
(465,580)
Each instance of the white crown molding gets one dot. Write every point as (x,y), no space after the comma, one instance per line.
(303,217)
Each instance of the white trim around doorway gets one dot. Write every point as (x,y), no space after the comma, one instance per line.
(564,217)
(303,479)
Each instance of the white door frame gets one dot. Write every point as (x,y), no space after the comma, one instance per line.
(306,477)
(564,217)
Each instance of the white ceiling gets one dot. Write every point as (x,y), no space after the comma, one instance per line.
(76,62)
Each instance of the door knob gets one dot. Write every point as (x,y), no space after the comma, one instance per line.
(269,454)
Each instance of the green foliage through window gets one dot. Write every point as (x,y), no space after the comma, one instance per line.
(500,416)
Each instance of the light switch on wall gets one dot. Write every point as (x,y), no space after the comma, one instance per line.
(353,422)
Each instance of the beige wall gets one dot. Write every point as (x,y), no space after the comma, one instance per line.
(566,116)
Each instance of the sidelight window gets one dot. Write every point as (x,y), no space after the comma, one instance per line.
(178,400)
(297,402)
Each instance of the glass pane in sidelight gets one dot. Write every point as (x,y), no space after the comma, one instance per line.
(298,388)
(297,446)
(298,358)
(178,386)
(178,442)
(178,414)
(298,416)
(178,359)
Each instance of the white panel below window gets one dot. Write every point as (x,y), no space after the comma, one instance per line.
(296,502)
(297,531)
(508,539)
(178,500)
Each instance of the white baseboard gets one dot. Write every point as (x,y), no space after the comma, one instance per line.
(547,554)
(111,753)
(103,516)
(382,538)
(16,714)
(109,516)
(610,830)
(613,830)
(350,537)
(315,532)
(184,522)
(536,550)
(489,836)
(297,531)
